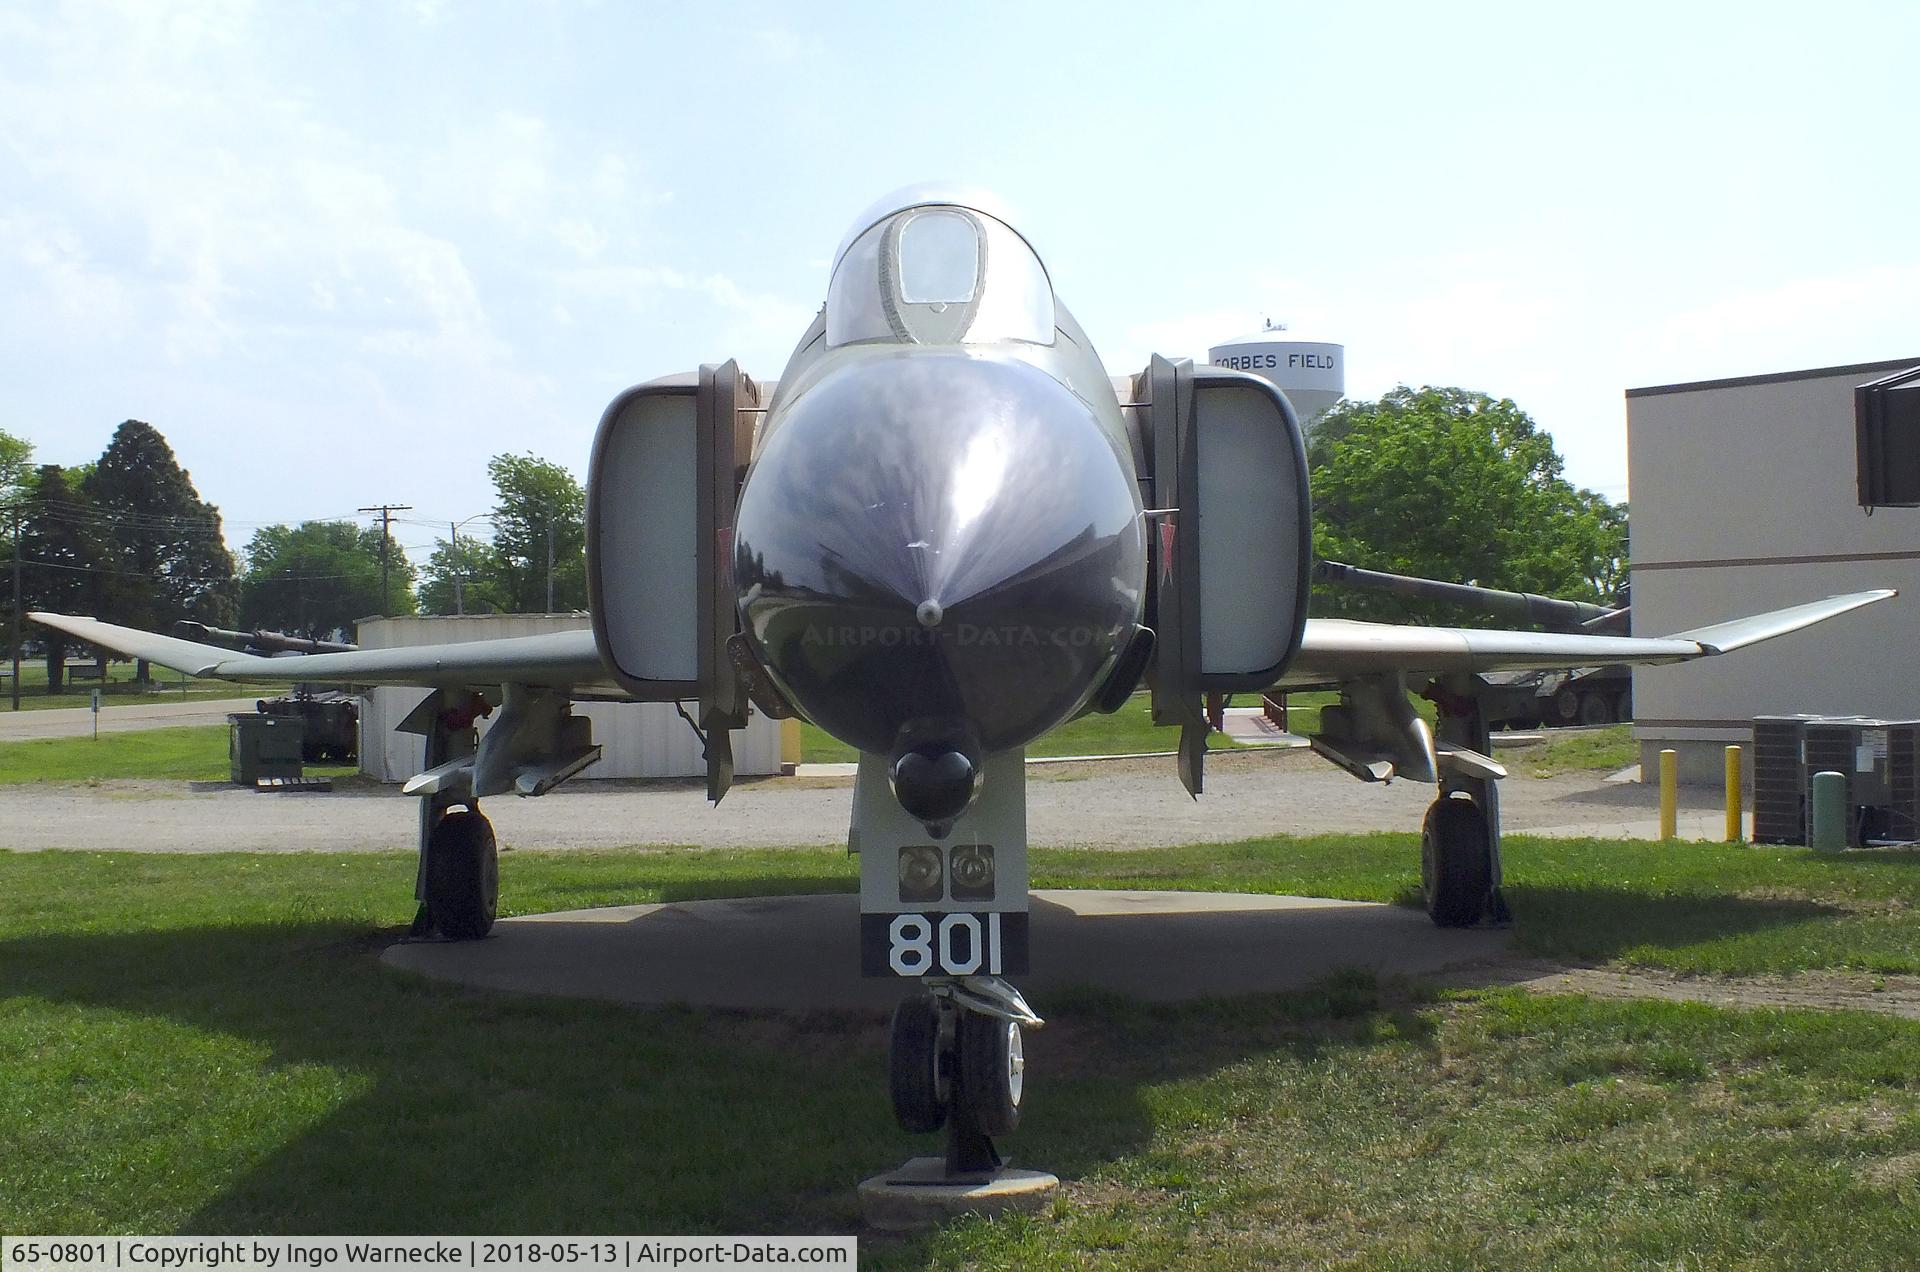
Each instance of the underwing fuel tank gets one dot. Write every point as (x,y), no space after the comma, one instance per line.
(939,554)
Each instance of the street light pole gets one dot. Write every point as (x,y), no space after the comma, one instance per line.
(16,607)
(549,563)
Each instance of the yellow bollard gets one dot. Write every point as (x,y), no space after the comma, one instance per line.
(789,741)
(1736,830)
(1669,794)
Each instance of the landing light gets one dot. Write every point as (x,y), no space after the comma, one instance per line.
(972,872)
(920,873)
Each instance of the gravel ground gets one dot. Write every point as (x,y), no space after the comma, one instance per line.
(1112,804)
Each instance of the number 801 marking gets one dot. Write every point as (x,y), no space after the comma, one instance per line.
(916,947)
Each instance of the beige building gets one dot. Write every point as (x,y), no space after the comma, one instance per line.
(637,739)
(1745,498)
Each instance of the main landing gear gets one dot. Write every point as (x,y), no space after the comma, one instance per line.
(1456,861)
(459,882)
(956,1059)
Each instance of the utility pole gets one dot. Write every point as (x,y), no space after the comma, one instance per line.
(386,512)
(549,564)
(16,607)
(459,571)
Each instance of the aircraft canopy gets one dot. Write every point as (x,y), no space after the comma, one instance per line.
(939,274)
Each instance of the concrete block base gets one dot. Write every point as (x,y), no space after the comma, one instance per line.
(918,1195)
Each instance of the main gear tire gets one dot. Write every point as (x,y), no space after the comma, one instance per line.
(463,875)
(1456,862)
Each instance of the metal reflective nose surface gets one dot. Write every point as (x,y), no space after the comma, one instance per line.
(929,535)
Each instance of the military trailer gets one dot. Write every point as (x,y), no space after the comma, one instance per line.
(1520,699)
(331,717)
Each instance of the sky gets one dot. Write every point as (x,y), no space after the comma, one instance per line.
(341,254)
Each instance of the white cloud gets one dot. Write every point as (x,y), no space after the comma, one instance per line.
(581,237)
(1858,316)
(69,288)
(780,45)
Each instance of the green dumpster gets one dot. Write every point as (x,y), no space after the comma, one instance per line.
(263,746)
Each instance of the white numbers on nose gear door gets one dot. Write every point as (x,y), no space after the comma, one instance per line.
(965,945)
(954,963)
(910,945)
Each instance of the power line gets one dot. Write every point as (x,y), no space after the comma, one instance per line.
(386,512)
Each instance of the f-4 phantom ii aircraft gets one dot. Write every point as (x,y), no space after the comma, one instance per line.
(944,531)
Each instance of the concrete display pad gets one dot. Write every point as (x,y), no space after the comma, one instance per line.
(919,1195)
(802,952)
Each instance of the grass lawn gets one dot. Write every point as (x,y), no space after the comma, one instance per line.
(120,688)
(1604,750)
(207,1044)
(1128,731)
(194,754)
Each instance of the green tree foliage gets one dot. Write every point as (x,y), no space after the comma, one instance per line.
(316,578)
(16,466)
(1455,485)
(467,578)
(16,459)
(62,549)
(161,542)
(541,517)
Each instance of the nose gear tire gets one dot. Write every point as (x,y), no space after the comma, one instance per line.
(914,1067)
(992,1072)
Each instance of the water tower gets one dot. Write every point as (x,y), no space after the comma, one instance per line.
(1312,373)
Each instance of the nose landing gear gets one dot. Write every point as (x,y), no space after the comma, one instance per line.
(957,1059)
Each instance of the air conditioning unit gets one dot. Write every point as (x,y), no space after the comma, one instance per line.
(1779,780)
(1879,758)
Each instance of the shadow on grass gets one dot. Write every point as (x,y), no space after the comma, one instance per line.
(479,1112)
(483,1112)
(1588,924)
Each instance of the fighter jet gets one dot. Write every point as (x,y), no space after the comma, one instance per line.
(944,531)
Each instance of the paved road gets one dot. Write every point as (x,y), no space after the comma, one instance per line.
(1117,804)
(76,722)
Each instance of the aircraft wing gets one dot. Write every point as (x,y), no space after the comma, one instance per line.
(560,660)
(1334,650)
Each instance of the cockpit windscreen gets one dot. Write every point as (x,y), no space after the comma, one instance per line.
(939,275)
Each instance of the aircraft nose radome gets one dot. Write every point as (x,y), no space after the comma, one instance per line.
(934,785)
(934,535)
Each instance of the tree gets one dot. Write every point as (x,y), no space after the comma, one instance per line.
(539,532)
(316,578)
(60,543)
(161,541)
(16,457)
(465,578)
(16,466)
(1457,485)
